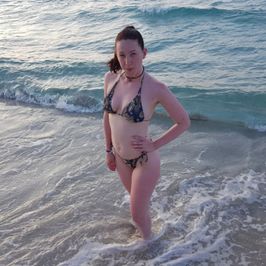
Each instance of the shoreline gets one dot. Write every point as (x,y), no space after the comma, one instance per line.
(157,119)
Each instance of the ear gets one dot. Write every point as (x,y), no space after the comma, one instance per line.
(145,51)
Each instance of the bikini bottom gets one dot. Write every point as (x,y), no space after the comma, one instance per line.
(132,163)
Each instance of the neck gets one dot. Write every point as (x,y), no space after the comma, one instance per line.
(135,77)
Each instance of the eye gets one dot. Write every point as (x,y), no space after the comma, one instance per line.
(122,55)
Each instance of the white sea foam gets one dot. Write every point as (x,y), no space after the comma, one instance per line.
(199,234)
(63,104)
(93,250)
(259,127)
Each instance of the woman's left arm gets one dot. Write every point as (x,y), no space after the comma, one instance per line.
(176,112)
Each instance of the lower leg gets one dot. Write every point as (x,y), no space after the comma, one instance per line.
(144,226)
(144,179)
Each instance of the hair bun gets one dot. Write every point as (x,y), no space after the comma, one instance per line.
(130,27)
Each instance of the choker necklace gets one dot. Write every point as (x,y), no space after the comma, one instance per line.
(131,78)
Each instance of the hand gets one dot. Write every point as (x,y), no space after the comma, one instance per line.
(110,161)
(140,143)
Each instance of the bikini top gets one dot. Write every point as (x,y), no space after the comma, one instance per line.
(133,111)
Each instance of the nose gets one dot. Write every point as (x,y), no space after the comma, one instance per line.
(128,60)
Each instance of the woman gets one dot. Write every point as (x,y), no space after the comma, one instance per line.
(131,95)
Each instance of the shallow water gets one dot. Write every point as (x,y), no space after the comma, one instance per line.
(60,206)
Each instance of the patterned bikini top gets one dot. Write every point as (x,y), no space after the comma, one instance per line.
(133,111)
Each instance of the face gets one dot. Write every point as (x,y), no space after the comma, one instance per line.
(130,56)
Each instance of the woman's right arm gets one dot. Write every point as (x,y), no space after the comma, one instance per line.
(107,132)
(110,159)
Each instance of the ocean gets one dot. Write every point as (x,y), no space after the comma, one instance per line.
(59,205)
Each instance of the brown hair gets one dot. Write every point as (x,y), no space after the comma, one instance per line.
(128,33)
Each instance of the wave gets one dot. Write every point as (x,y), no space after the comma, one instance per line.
(59,84)
(65,86)
(72,100)
(156,10)
(233,107)
(240,108)
(173,11)
(48,68)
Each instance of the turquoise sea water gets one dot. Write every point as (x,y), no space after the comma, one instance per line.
(58,203)
(212,54)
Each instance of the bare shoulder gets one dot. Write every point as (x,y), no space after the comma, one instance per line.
(169,101)
(158,87)
(109,78)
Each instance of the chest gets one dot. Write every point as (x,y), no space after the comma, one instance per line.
(133,95)
(123,95)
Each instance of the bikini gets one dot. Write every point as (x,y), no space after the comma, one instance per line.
(133,112)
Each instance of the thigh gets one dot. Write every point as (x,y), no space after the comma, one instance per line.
(124,173)
(144,180)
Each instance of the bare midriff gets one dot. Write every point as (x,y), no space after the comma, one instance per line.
(122,133)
